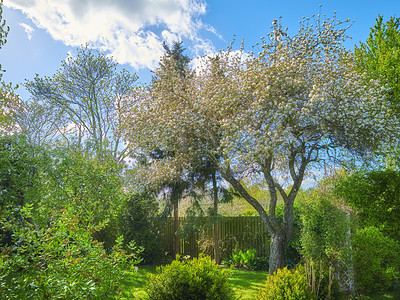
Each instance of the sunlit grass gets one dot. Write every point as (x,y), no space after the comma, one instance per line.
(244,283)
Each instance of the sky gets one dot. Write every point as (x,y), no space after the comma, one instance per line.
(44,32)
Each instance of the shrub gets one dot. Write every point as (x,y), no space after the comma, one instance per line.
(242,258)
(139,221)
(258,264)
(190,279)
(286,285)
(60,261)
(376,260)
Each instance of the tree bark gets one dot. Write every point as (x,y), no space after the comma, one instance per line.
(216,233)
(176,227)
(277,253)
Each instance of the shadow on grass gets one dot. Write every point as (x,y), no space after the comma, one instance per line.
(247,283)
(133,283)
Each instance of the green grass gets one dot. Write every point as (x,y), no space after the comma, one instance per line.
(244,283)
(134,283)
(247,283)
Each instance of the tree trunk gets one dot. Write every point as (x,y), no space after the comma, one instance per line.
(176,227)
(216,233)
(277,253)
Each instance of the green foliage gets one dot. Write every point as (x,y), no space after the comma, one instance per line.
(324,229)
(140,221)
(190,279)
(325,239)
(379,56)
(87,96)
(375,196)
(61,260)
(21,167)
(376,260)
(258,263)
(91,184)
(286,285)
(3,32)
(242,258)
(292,252)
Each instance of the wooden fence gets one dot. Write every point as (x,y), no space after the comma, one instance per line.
(244,232)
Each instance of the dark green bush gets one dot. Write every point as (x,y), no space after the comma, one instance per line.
(190,279)
(286,285)
(376,260)
(258,263)
(139,221)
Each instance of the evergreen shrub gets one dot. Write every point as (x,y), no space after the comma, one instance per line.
(199,278)
(285,284)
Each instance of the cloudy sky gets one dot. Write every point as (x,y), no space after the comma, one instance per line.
(43,32)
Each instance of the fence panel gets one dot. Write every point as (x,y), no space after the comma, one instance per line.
(235,233)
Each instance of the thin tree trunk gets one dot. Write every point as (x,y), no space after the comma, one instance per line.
(216,233)
(176,227)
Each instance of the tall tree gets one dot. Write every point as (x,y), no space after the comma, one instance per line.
(4,29)
(177,185)
(87,93)
(296,104)
(379,56)
(9,101)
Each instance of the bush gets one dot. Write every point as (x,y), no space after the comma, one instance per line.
(139,221)
(60,261)
(376,260)
(258,264)
(242,258)
(190,279)
(286,285)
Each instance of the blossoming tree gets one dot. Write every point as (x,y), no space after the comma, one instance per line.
(276,113)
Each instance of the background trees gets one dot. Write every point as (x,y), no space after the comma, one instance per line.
(86,94)
(275,114)
(379,56)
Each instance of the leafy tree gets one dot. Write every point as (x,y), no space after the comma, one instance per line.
(379,56)
(87,94)
(296,104)
(177,185)
(325,240)
(93,185)
(9,101)
(376,260)
(375,197)
(3,32)
(21,171)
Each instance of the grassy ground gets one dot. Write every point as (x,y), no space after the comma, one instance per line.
(244,283)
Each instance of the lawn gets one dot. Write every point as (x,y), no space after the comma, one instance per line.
(244,283)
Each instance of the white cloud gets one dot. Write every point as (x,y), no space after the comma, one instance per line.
(132,31)
(28,29)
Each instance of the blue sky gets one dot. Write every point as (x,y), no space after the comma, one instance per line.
(42,32)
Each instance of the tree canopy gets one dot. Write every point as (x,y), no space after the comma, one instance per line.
(85,95)
(379,56)
(273,114)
